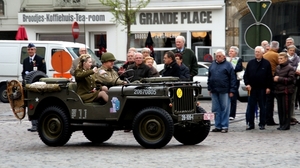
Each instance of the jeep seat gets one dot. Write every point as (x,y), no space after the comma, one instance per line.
(72,86)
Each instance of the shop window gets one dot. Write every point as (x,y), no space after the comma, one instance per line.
(201,45)
(162,42)
(1,8)
(100,42)
(61,37)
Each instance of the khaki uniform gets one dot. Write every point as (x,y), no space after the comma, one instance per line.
(108,77)
(85,84)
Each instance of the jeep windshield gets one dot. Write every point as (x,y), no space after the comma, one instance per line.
(75,52)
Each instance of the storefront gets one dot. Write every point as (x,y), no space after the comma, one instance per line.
(94,28)
(203,29)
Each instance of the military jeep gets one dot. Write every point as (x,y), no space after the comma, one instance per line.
(155,109)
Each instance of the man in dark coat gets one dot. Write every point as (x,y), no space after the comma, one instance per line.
(189,58)
(140,69)
(171,67)
(33,63)
(258,80)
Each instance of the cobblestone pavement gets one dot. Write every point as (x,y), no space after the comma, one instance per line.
(237,148)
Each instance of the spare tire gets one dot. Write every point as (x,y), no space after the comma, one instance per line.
(34,76)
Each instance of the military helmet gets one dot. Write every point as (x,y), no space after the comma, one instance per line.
(107,57)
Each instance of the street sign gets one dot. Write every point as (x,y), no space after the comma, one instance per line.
(256,33)
(75,30)
(258,9)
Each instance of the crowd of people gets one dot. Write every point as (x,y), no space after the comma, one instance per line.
(271,74)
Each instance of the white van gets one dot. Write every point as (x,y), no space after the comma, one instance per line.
(12,54)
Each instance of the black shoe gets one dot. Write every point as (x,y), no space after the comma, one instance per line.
(249,128)
(216,130)
(278,128)
(32,129)
(261,127)
(272,124)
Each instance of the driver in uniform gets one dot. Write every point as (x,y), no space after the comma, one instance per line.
(106,74)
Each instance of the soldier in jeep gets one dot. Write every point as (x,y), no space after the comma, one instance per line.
(107,75)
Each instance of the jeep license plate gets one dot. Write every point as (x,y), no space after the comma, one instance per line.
(208,116)
(187,117)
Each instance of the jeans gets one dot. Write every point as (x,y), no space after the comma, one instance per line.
(221,106)
(256,96)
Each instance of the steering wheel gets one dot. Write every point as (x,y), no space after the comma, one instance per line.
(127,79)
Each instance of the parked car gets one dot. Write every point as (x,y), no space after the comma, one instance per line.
(202,78)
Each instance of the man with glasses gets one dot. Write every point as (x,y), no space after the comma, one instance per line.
(33,63)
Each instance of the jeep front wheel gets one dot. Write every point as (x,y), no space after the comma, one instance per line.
(54,127)
(153,127)
(192,133)
(98,135)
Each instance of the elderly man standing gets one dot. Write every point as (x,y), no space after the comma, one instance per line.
(272,57)
(221,85)
(189,58)
(258,80)
(33,63)
(237,64)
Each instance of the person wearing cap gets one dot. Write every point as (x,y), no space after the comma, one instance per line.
(106,74)
(33,63)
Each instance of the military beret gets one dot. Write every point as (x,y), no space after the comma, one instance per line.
(30,45)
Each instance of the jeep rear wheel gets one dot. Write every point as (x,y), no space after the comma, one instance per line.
(98,135)
(54,127)
(153,127)
(192,133)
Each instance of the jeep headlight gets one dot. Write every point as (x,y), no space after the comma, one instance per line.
(170,93)
(195,92)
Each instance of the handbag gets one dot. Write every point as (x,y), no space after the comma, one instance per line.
(240,75)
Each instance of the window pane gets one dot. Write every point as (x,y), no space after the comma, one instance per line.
(160,39)
(1,8)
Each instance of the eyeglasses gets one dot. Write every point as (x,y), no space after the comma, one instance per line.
(30,49)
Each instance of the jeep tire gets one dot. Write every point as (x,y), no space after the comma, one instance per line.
(54,127)
(153,127)
(193,133)
(98,135)
(34,76)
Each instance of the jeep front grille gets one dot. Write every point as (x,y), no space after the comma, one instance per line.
(185,103)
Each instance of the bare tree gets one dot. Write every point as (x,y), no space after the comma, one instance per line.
(124,12)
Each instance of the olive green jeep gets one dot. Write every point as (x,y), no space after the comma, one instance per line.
(155,109)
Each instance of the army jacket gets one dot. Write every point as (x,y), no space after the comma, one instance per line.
(108,77)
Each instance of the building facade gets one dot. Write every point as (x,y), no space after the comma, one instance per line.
(282,18)
(201,22)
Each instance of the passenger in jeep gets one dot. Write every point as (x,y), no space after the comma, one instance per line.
(86,85)
(107,75)
(140,69)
